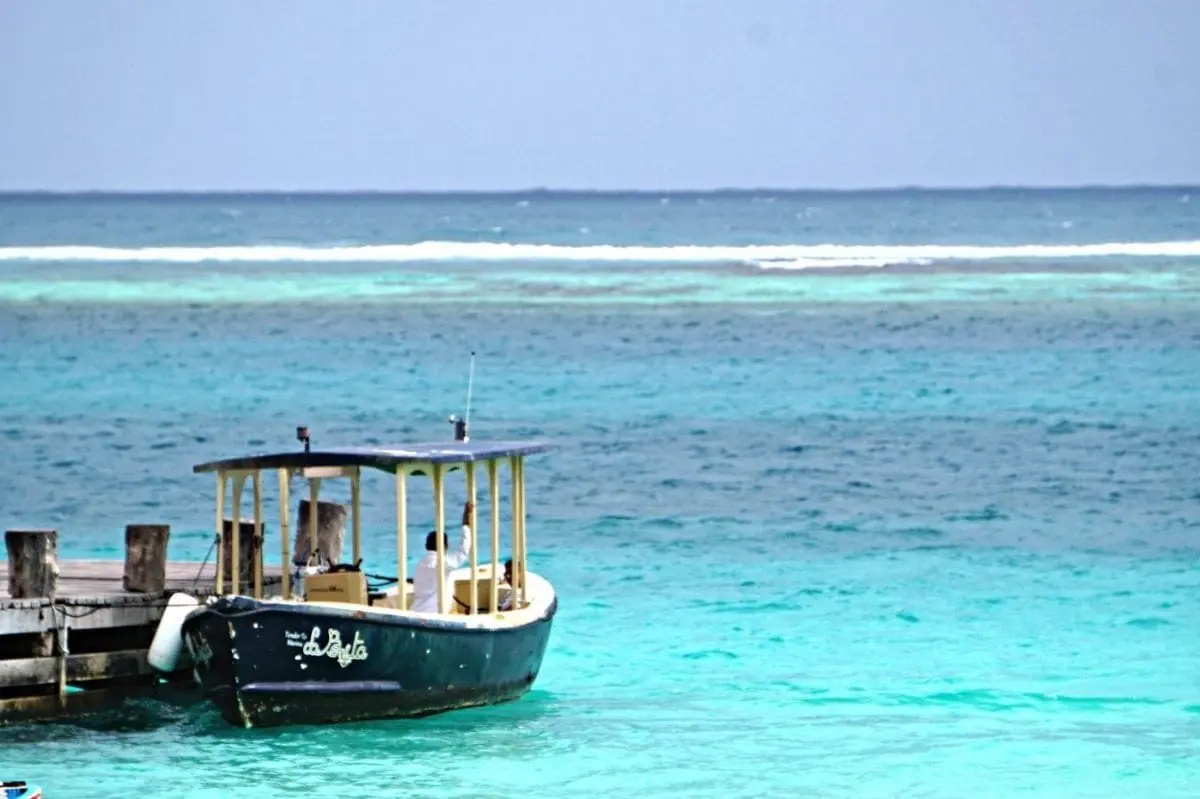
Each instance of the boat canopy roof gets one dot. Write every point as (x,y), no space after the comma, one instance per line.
(387,459)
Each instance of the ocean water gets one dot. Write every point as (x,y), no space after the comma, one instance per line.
(864,494)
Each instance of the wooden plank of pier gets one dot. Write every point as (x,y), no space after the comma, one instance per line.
(110,665)
(90,593)
(104,577)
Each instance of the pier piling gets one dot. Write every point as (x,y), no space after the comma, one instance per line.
(33,563)
(146,558)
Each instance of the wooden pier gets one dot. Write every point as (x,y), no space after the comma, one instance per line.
(74,636)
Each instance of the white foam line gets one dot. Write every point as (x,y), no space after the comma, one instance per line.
(785,256)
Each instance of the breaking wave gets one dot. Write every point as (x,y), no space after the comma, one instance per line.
(782,256)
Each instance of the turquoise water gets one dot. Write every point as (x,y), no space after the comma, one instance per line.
(872,519)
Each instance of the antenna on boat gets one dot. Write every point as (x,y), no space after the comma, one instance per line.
(460,425)
(470,385)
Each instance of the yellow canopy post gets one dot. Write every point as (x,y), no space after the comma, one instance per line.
(494,491)
(521,525)
(284,531)
(402,536)
(235,529)
(258,535)
(220,532)
(514,471)
(439,505)
(314,489)
(473,524)
(355,507)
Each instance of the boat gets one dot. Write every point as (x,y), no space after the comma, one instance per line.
(19,789)
(332,648)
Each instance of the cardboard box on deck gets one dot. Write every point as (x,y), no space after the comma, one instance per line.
(348,587)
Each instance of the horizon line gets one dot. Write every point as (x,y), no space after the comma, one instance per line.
(592,192)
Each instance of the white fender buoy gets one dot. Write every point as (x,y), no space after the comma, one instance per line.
(168,640)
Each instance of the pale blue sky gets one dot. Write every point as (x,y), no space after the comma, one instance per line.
(607,94)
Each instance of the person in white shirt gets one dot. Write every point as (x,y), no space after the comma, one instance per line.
(425,579)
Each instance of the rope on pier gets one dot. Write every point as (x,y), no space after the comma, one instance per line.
(204,562)
(94,608)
